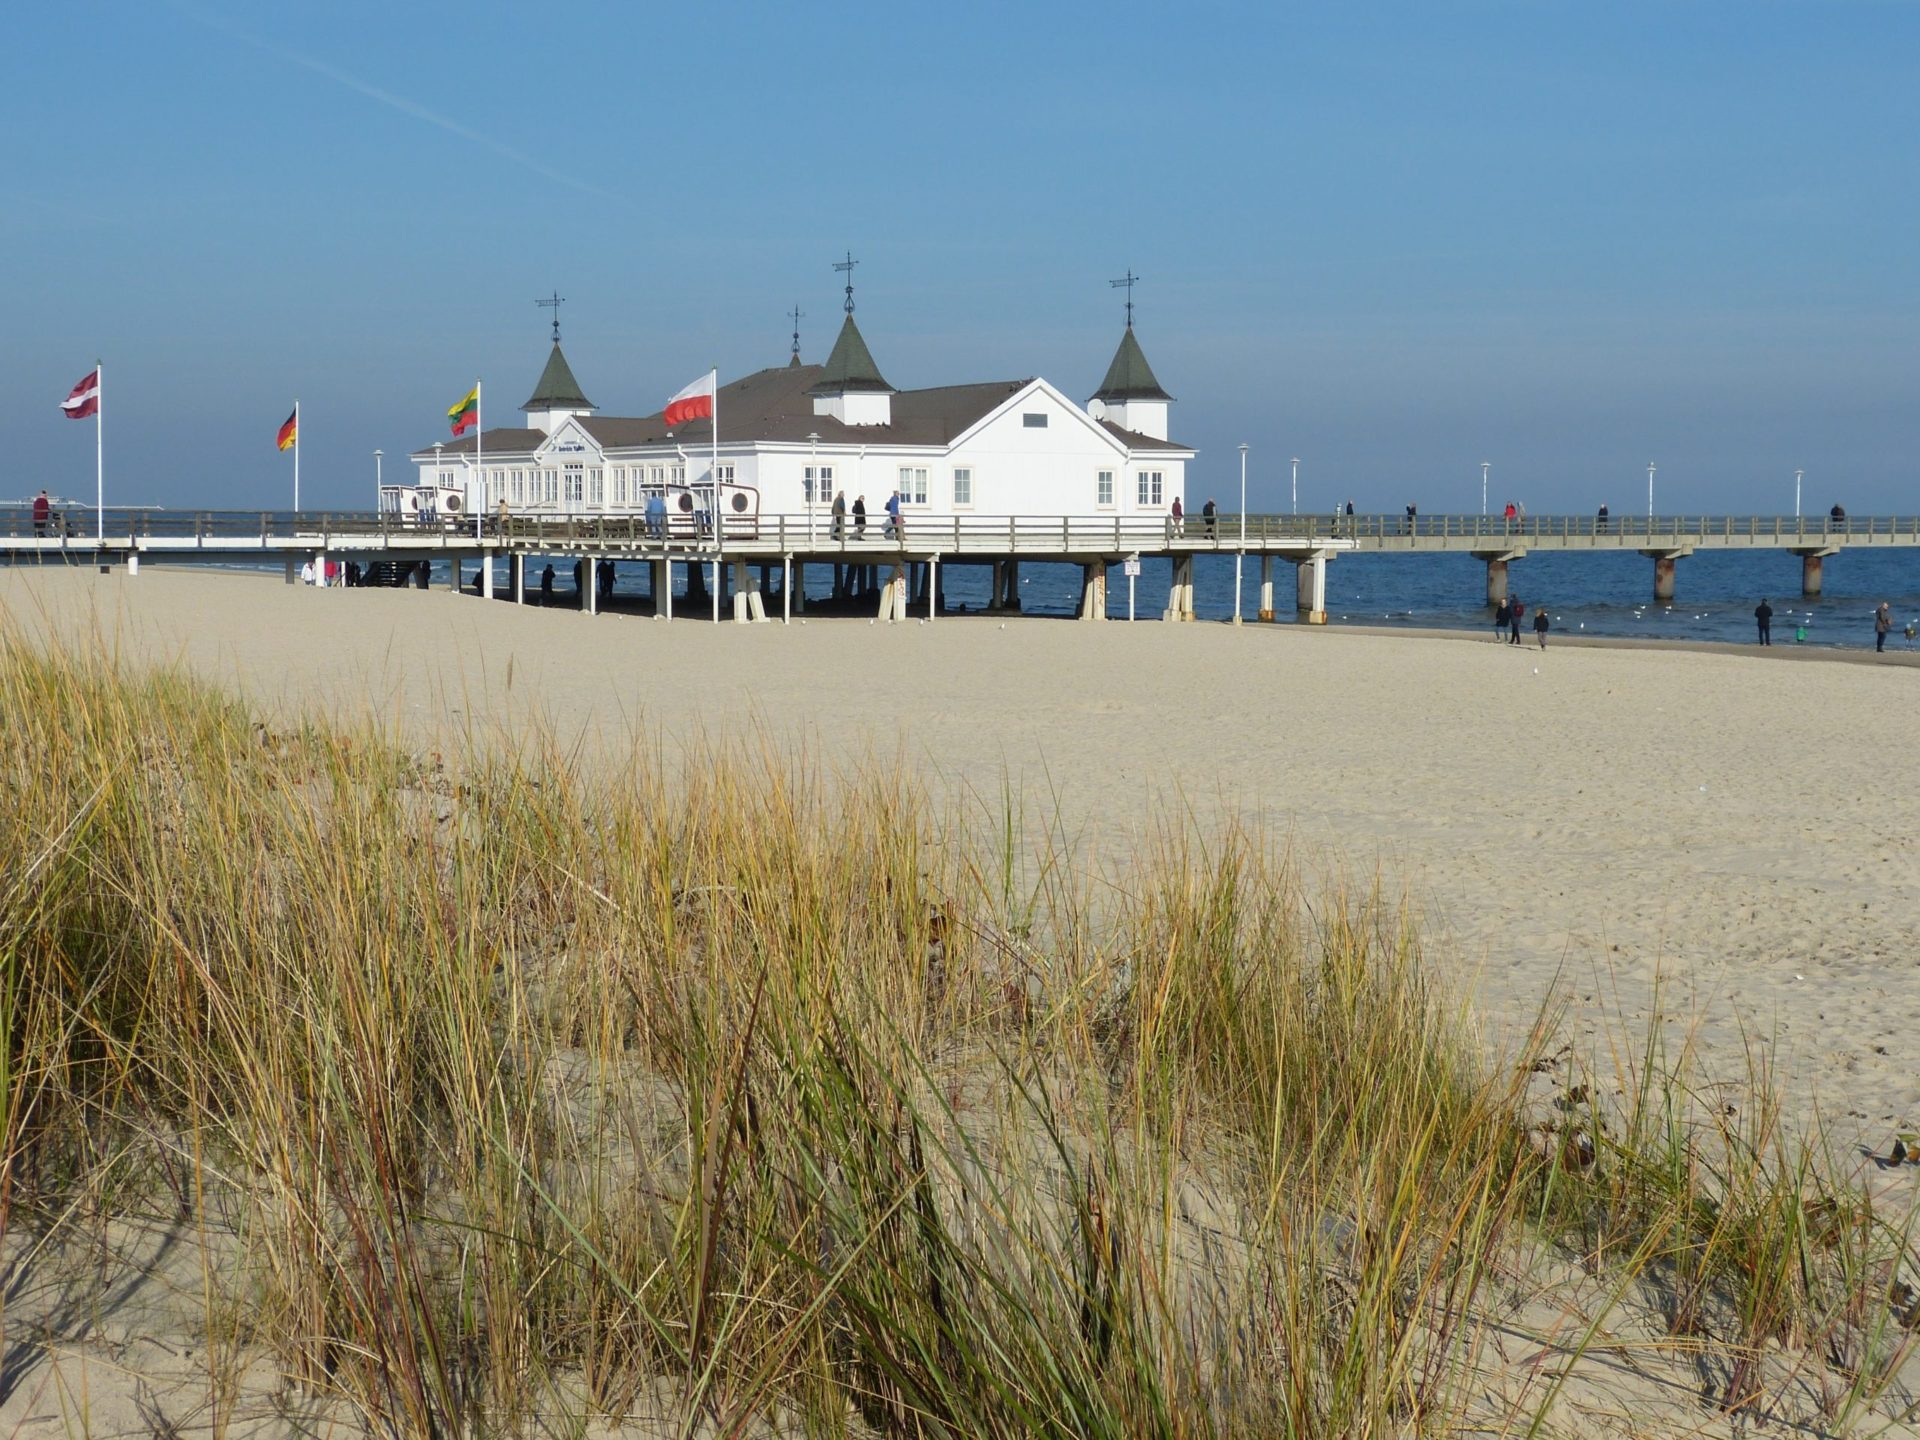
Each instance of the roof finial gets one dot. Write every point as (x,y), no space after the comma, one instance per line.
(554,304)
(796,315)
(1127,282)
(847,268)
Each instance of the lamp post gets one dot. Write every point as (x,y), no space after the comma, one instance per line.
(376,478)
(1484,467)
(1649,491)
(1796,493)
(1240,555)
(1296,484)
(813,440)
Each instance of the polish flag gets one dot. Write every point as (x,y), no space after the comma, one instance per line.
(693,403)
(85,399)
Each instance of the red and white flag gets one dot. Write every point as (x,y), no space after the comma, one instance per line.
(85,399)
(695,402)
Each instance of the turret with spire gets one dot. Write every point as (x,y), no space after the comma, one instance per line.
(851,388)
(557,396)
(1131,396)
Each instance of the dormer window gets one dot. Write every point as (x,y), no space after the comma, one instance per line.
(1034,421)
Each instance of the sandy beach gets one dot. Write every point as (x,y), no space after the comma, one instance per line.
(1585,822)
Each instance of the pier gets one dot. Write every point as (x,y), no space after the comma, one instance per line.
(902,570)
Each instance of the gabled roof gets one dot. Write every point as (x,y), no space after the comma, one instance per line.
(498,442)
(558,390)
(1129,377)
(850,366)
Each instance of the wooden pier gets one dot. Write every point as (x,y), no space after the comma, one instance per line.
(923,545)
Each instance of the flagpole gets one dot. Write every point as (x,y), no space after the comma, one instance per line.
(99,452)
(716,463)
(480,457)
(296,457)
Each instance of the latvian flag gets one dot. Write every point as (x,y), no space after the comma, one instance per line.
(85,399)
(465,414)
(290,431)
(693,403)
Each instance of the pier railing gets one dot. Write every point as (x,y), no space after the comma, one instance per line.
(955,534)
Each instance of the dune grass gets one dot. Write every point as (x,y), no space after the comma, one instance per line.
(719,1089)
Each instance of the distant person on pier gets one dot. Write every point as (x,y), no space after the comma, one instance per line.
(1882,623)
(1600,520)
(1540,625)
(1510,514)
(1502,617)
(859,517)
(42,508)
(1209,514)
(1179,514)
(546,586)
(839,514)
(1514,617)
(1763,617)
(1838,514)
(657,515)
(1413,514)
(895,531)
(1349,513)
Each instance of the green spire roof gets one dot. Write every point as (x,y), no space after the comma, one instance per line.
(558,390)
(1129,377)
(850,366)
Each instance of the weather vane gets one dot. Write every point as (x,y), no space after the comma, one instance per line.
(847,269)
(796,315)
(554,305)
(1127,282)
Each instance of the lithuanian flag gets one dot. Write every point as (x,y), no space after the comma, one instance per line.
(290,431)
(466,414)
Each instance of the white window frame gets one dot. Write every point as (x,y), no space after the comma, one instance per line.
(1103,489)
(576,486)
(913,484)
(1152,487)
(960,501)
(597,487)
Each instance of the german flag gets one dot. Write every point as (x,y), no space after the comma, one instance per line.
(465,414)
(290,431)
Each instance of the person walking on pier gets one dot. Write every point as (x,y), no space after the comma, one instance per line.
(657,515)
(1882,623)
(42,508)
(1540,625)
(1763,617)
(1209,517)
(1600,520)
(839,514)
(895,530)
(859,517)
(1502,617)
(1514,617)
(1179,515)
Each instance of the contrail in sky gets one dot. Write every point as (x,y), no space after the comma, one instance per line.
(395,102)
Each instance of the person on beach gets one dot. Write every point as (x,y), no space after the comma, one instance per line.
(42,508)
(839,514)
(1502,617)
(1882,623)
(859,517)
(1514,616)
(546,586)
(1763,617)
(895,531)
(1208,512)
(1540,625)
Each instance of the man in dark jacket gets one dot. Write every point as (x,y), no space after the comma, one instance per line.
(1763,617)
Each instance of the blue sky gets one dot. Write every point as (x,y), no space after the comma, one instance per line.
(1394,240)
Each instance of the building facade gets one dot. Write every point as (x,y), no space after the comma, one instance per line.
(792,438)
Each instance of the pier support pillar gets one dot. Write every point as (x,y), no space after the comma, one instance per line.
(662,586)
(1004,593)
(517,577)
(293,572)
(748,605)
(486,576)
(798,584)
(1180,590)
(454,567)
(1093,590)
(1266,587)
(1811,574)
(893,595)
(1311,591)
(1496,582)
(590,586)
(1663,577)
(933,587)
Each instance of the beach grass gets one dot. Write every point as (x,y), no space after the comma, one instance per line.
(715,1093)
